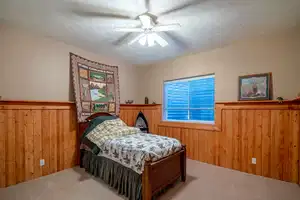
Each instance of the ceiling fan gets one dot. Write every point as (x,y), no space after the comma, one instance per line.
(148,32)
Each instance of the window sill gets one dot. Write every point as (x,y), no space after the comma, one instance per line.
(190,125)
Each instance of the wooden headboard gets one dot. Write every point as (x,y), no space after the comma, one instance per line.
(83,125)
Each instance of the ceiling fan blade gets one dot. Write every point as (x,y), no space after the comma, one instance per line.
(96,10)
(98,14)
(162,42)
(181,7)
(168,27)
(147,5)
(175,39)
(143,40)
(146,21)
(125,29)
(124,39)
(137,38)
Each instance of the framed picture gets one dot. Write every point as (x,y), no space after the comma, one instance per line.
(255,87)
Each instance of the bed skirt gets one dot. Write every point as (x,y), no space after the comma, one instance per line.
(124,180)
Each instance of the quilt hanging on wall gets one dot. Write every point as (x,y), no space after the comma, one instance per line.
(96,87)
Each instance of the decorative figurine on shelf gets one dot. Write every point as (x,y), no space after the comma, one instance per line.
(129,101)
(146,100)
(280,99)
(153,102)
(297,98)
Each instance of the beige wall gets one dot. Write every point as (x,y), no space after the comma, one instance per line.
(277,54)
(37,68)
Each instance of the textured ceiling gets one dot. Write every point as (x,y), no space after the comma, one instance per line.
(205,25)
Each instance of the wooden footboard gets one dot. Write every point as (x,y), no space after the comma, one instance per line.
(159,174)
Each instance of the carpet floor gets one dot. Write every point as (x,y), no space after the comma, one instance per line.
(204,182)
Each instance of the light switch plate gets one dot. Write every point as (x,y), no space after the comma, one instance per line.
(253,160)
(42,162)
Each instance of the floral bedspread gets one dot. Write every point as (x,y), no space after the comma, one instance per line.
(129,146)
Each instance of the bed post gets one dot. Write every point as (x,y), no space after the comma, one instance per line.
(146,183)
(183,164)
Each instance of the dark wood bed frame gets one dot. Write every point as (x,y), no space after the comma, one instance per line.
(156,175)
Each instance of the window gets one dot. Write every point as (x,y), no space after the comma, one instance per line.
(190,99)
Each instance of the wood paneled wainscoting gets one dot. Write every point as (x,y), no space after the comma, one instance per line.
(267,131)
(30,131)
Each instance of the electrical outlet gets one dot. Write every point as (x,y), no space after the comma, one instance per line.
(42,162)
(254,161)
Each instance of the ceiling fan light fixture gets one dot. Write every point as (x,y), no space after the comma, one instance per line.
(150,39)
(143,40)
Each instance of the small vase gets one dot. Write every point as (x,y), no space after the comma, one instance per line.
(146,100)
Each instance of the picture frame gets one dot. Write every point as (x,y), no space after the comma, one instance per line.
(255,87)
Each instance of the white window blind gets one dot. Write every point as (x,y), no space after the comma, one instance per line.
(190,99)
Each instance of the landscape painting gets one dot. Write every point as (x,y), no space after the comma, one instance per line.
(97,85)
(100,107)
(98,92)
(97,76)
(255,87)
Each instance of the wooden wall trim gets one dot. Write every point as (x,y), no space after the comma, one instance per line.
(262,107)
(35,103)
(267,102)
(38,107)
(139,105)
(259,105)
(228,103)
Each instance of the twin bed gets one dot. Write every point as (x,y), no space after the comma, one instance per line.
(138,165)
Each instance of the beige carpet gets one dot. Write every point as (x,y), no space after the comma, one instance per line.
(205,182)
